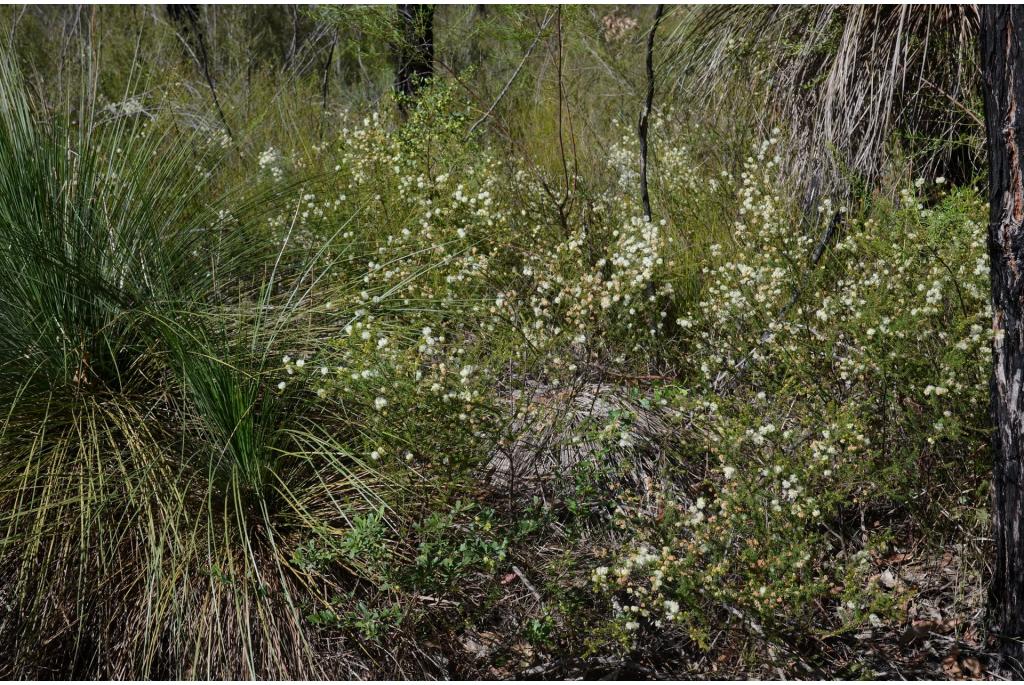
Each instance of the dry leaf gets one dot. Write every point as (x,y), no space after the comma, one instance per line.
(887,579)
(918,632)
(973,667)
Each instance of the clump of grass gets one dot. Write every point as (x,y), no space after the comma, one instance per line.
(153,480)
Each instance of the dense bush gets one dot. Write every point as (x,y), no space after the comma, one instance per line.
(824,396)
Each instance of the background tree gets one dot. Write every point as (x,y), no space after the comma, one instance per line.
(414,50)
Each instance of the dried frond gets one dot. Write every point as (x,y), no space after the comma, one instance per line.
(844,80)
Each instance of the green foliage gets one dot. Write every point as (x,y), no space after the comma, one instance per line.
(842,408)
(372,624)
(452,544)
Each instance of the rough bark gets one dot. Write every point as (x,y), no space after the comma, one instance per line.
(1002,36)
(414,53)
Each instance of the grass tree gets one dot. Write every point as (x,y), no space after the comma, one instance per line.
(152,482)
(842,81)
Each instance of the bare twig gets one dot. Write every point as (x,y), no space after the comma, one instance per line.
(326,83)
(189,15)
(565,116)
(540,32)
(645,114)
(528,584)
(561,105)
(957,103)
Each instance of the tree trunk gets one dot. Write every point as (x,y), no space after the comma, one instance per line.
(414,54)
(1002,62)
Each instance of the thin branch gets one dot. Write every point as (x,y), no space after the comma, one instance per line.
(326,83)
(642,126)
(959,105)
(528,584)
(561,105)
(202,60)
(565,113)
(540,32)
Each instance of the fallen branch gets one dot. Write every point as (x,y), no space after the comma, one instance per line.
(529,586)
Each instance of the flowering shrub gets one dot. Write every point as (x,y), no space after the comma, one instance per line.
(824,397)
(296,391)
(792,343)
(826,372)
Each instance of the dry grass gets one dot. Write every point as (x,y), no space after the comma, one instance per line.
(842,80)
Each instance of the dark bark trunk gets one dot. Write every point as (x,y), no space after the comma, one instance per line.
(645,197)
(414,54)
(1002,61)
(185,16)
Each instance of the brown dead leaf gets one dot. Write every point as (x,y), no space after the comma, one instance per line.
(898,558)
(919,631)
(951,664)
(918,408)
(480,644)
(524,651)
(951,667)
(972,666)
